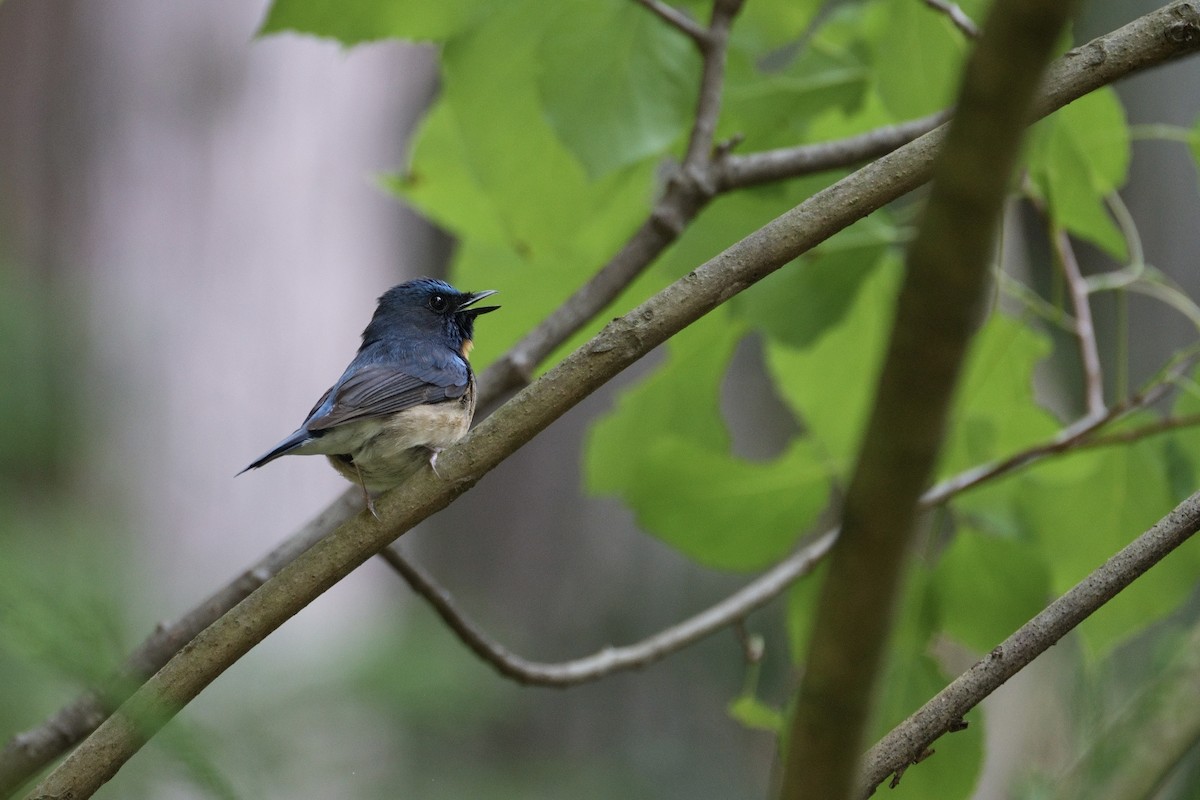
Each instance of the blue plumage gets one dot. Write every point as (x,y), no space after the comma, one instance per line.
(408,393)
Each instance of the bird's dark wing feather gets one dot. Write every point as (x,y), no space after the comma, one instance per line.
(378,389)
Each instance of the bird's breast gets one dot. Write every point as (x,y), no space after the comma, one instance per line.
(387,450)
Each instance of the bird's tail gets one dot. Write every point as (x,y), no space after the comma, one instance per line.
(282,449)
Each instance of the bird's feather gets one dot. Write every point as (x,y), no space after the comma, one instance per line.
(381,389)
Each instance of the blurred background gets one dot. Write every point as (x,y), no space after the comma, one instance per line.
(191,240)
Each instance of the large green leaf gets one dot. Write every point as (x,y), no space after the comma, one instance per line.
(777,108)
(796,305)
(617,83)
(1076,158)
(918,55)
(995,411)
(665,451)
(988,586)
(830,384)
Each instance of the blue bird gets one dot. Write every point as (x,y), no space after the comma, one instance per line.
(408,393)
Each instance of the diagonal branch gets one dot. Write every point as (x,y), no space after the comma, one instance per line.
(1157,37)
(678,20)
(1085,331)
(654,648)
(905,743)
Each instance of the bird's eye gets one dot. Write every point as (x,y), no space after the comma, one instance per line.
(439,303)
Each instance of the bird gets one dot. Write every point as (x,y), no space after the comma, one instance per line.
(408,393)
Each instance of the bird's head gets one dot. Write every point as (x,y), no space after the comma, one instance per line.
(428,309)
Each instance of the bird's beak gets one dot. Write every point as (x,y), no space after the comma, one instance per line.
(475,297)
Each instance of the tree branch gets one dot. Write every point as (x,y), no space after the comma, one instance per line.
(1085,331)
(959,17)
(727,612)
(712,84)
(936,315)
(1157,37)
(905,743)
(678,20)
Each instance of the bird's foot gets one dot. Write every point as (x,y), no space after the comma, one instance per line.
(371,505)
(366,495)
(433,454)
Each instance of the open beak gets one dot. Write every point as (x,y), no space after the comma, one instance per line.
(475,297)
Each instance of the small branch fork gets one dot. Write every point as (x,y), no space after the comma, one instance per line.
(1082,326)
(681,21)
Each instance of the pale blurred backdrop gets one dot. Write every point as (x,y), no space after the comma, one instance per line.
(198,212)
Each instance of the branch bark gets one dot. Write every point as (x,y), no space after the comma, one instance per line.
(936,314)
(1162,35)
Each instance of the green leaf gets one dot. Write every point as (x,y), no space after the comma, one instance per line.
(776,109)
(987,587)
(356,21)
(1076,158)
(830,384)
(796,305)
(665,451)
(1083,508)
(617,83)
(918,56)
(995,411)
(1194,143)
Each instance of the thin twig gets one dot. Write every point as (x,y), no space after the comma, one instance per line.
(614,659)
(712,84)
(1085,330)
(680,21)
(904,744)
(754,169)
(1131,435)
(1073,436)
(959,17)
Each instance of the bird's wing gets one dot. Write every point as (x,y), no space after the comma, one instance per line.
(379,389)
